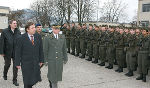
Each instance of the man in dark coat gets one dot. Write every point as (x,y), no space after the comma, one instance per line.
(7,46)
(29,55)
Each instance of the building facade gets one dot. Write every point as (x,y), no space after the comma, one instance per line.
(4,11)
(144,13)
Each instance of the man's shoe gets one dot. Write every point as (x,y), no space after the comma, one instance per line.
(72,53)
(110,67)
(77,55)
(140,77)
(15,83)
(120,70)
(144,78)
(95,61)
(102,64)
(89,59)
(107,66)
(5,77)
(117,70)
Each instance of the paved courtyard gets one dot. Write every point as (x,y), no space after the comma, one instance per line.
(79,73)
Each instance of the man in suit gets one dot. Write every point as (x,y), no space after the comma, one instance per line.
(55,52)
(7,47)
(29,55)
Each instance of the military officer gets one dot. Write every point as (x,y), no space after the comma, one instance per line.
(55,52)
(77,39)
(73,29)
(95,44)
(143,55)
(82,41)
(89,38)
(68,37)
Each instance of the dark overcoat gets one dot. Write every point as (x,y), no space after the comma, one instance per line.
(29,56)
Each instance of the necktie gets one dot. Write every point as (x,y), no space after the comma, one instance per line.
(56,36)
(32,40)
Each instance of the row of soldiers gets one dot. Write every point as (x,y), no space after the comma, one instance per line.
(118,46)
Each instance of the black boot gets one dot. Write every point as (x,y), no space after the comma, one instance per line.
(117,70)
(120,70)
(89,59)
(77,55)
(140,77)
(110,66)
(72,53)
(129,74)
(68,51)
(102,64)
(15,83)
(83,56)
(5,77)
(107,66)
(95,61)
(144,78)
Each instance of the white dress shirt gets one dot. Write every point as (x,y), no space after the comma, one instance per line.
(55,35)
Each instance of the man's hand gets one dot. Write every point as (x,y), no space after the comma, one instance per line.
(18,67)
(41,64)
(2,55)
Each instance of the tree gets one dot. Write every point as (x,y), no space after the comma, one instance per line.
(113,11)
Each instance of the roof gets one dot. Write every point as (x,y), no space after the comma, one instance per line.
(3,7)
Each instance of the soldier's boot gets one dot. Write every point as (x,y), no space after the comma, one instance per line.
(140,77)
(117,70)
(77,55)
(72,53)
(102,64)
(95,61)
(120,70)
(89,59)
(144,78)
(68,50)
(110,67)
(107,66)
(129,74)
(83,56)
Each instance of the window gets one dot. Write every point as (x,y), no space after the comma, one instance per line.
(144,23)
(146,7)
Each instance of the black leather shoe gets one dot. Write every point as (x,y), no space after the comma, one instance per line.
(120,70)
(95,61)
(89,59)
(102,64)
(144,78)
(15,83)
(110,67)
(129,74)
(5,77)
(117,70)
(77,55)
(72,53)
(107,66)
(140,77)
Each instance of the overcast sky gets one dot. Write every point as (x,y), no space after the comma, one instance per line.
(21,4)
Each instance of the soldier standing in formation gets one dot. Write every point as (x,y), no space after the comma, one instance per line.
(124,47)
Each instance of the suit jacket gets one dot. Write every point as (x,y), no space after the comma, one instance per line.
(55,54)
(29,56)
(8,42)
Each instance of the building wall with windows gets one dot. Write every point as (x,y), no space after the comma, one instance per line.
(144,13)
(4,11)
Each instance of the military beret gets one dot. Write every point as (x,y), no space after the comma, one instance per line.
(38,25)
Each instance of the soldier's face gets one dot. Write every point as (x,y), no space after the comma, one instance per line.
(90,27)
(137,31)
(31,30)
(144,32)
(132,31)
(121,31)
(13,25)
(56,31)
(39,29)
